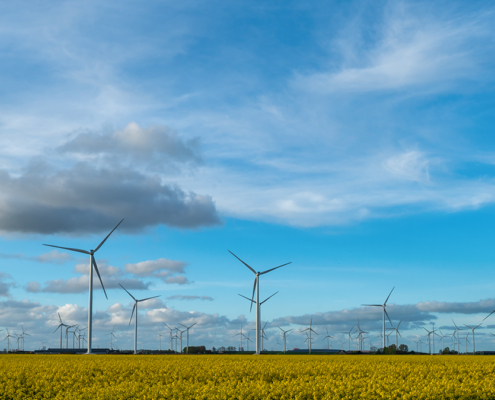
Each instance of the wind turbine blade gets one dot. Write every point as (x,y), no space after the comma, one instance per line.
(372,305)
(265,325)
(104,240)
(133,308)
(268,298)
(68,248)
(386,313)
(129,293)
(489,315)
(254,289)
(398,324)
(280,329)
(280,266)
(389,295)
(485,318)
(477,325)
(98,272)
(59,317)
(242,261)
(247,298)
(57,329)
(154,297)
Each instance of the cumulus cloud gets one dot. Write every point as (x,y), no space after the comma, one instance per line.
(186,297)
(80,194)
(169,271)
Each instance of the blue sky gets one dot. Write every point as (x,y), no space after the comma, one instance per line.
(350,138)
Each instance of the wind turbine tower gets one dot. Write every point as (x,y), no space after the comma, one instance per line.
(92,264)
(256,289)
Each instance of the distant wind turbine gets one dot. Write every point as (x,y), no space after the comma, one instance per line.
(187,334)
(7,338)
(457,335)
(60,326)
(328,337)
(384,305)
(396,329)
(310,329)
(284,333)
(92,264)
(256,289)
(472,329)
(350,336)
(136,320)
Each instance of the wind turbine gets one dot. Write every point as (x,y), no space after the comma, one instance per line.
(160,338)
(209,344)
(472,329)
(285,336)
(467,340)
(384,305)
(60,326)
(350,335)
(442,336)
(7,338)
(23,335)
(92,264)
(67,327)
(397,333)
(457,334)
(111,337)
(181,332)
(241,336)
(187,334)
(432,334)
(135,308)
(171,337)
(256,289)
(327,337)
(310,329)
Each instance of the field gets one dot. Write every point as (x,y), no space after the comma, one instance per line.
(246,377)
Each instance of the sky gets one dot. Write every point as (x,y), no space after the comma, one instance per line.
(352,139)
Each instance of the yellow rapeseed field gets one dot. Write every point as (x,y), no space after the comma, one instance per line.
(246,377)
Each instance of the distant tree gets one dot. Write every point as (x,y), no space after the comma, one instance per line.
(231,348)
(374,349)
(403,348)
(392,349)
(222,349)
(195,350)
(445,351)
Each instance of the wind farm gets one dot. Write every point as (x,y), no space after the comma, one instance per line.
(155,156)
